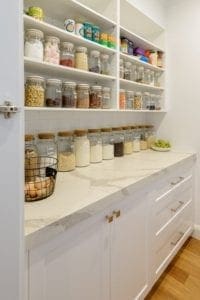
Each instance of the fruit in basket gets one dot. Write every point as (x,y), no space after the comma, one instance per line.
(162,144)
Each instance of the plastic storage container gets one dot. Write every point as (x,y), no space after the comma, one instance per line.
(118,141)
(69,94)
(82,148)
(95,139)
(66,153)
(129,99)
(34,91)
(53,93)
(105,64)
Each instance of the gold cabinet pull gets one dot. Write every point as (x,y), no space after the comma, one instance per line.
(109,219)
(117,213)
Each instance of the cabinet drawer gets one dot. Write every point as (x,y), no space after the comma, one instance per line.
(168,206)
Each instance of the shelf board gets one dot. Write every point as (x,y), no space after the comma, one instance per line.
(135,60)
(129,83)
(138,40)
(33,66)
(64,35)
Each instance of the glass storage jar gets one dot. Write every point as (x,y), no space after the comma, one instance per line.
(33,47)
(95,62)
(121,69)
(81,58)
(151,138)
(52,50)
(147,76)
(96,96)
(128,70)
(66,153)
(130,48)
(34,91)
(82,148)
(47,145)
(94,136)
(134,73)
(137,101)
(118,141)
(128,140)
(67,55)
(143,138)
(105,64)
(146,100)
(53,93)
(152,102)
(124,45)
(136,139)
(122,99)
(107,143)
(140,75)
(129,99)
(106,98)
(31,158)
(69,94)
(83,98)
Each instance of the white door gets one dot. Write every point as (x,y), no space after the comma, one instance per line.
(11,152)
(129,278)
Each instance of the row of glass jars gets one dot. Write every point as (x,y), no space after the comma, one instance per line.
(66,54)
(139,74)
(139,100)
(54,93)
(82,147)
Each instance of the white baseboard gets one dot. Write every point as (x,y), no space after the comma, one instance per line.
(196,232)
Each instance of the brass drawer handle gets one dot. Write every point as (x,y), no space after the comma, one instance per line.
(109,219)
(178,181)
(174,210)
(176,242)
(117,213)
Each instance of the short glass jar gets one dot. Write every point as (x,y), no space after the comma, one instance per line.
(146,99)
(81,58)
(94,136)
(128,70)
(67,55)
(129,99)
(128,140)
(122,99)
(82,148)
(157,79)
(105,64)
(137,101)
(83,97)
(96,96)
(136,139)
(66,153)
(53,93)
(118,141)
(52,50)
(31,158)
(106,98)
(34,91)
(95,62)
(107,143)
(33,47)
(121,69)
(69,94)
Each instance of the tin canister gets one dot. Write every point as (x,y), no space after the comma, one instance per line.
(88,31)
(36,12)
(70,25)
(79,29)
(96,34)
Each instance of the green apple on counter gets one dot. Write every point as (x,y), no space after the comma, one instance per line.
(162,144)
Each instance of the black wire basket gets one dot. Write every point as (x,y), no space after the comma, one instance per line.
(40,177)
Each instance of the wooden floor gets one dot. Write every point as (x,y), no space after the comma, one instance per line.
(181,280)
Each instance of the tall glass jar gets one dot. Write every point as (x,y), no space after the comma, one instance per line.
(52,50)
(147,76)
(128,140)
(105,64)
(146,100)
(151,136)
(140,75)
(118,141)
(152,82)
(138,101)
(31,158)
(106,98)
(136,139)
(66,153)
(33,47)
(47,145)
(96,96)
(81,58)
(128,70)
(95,62)
(67,55)
(129,99)
(95,139)
(157,79)
(69,94)
(83,98)
(82,148)
(134,73)
(53,93)
(122,99)
(34,91)
(121,69)
(107,141)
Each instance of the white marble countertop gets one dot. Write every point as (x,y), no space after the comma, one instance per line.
(87,191)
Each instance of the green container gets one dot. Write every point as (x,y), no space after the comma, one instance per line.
(36,12)
(96,34)
(88,31)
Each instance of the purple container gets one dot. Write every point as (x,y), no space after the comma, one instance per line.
(139,51)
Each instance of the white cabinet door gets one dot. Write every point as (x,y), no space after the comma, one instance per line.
(74,266)
(129,276)
(11,152)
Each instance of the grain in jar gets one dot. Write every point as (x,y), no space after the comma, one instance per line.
(67,55)
(128,70)
(34,91)
(82,148)
(122,99)
(53,93)
(66,153)
(95,139)
(31,158)
(96,96)
(69,94)
(118,142)
(83,98)
(52,50)
(107,143)
(136,139)
(106,98)
(81,58)
(33,47)
(128,140)
(137,101)
(151,136)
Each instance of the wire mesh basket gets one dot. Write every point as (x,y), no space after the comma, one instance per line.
(40,177)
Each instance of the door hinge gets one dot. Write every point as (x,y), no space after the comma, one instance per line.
(8,109)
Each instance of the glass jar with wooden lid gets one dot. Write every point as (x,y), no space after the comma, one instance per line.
(82,148)
(118,141)
(128,140)
(95,139)
(107,142)
(66,153)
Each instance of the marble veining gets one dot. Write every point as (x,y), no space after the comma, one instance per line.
(86,191)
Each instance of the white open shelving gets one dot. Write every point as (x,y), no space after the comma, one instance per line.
(139,86)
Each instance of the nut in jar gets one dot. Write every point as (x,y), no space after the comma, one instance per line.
(34,91)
